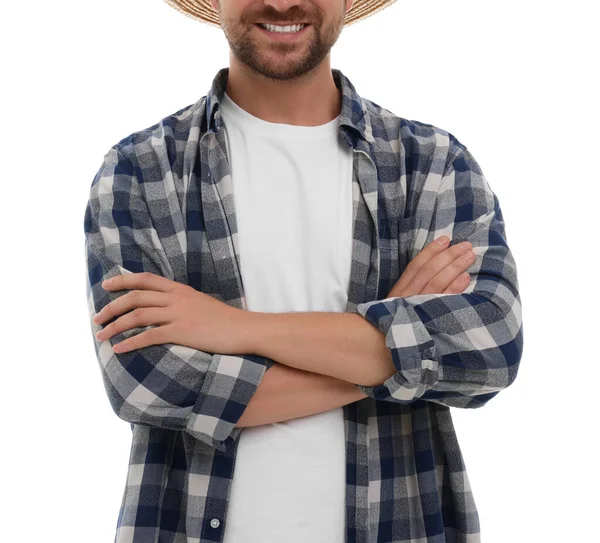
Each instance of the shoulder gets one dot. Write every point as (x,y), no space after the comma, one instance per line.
(163,142)
(415,139)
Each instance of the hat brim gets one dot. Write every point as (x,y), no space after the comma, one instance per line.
(201,10)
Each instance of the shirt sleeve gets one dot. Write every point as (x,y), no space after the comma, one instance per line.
(168,386)
(458,350)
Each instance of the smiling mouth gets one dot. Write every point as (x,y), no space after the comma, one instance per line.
(263,27)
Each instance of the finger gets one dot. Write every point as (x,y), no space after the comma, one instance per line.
(139,317)
(431,249)
(434,265)
(154,336)
(129,301)
(440,281)
(142,280)
(459,284)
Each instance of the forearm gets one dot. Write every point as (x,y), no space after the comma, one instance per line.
(288,393)
(340,345)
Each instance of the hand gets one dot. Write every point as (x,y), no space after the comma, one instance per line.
(182,314)
(436,270)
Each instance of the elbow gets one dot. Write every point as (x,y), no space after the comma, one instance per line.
(182,389)
(509,353)
(200,426)
(165,386)
(134,403)
(514,355)
(137,396)
(502,360)
(502,372)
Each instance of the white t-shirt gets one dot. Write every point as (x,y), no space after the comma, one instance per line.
(293,201)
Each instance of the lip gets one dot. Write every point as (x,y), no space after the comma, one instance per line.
(283,36)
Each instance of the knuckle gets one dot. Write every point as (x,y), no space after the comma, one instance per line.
(410,266)
(460,283)
(428,268)
(455,286)
(432,286)
(137,314)
(460,248)
(469,256)
(154,335)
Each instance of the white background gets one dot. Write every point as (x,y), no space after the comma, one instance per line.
(512,80)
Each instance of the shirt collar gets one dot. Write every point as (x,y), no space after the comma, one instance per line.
(354,116)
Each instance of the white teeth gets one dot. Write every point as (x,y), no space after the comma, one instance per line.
(289,28)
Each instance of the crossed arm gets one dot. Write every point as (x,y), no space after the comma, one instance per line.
(202,393)
(288,393)
(458,350)
(322,359)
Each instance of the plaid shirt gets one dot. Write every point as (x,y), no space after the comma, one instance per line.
(162,202)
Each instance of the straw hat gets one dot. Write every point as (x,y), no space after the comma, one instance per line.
(202,11)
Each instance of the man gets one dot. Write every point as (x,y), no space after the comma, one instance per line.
(260,242)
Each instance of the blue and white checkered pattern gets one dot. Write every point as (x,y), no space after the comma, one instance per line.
(162,202)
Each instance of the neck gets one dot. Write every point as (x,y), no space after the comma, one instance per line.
(311,100)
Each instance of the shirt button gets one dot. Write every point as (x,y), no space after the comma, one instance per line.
(215,523)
